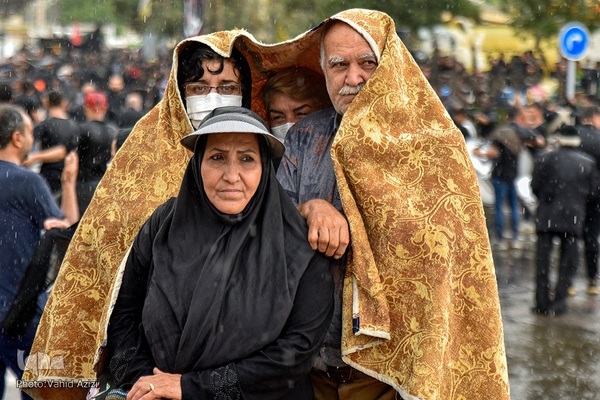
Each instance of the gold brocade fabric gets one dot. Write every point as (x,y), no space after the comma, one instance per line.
(421,268)
(420,279)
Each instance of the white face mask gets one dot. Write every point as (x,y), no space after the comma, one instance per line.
(280,131)
(200,106)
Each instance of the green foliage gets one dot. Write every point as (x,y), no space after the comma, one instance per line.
(543,19)
(284,19)
(165,18)
(268,20)
(85,11)
(409,14)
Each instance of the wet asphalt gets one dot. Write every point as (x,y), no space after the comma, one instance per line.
(549,357)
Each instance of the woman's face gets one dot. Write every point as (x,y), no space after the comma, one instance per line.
(228,80)
(231,170)
(284,109)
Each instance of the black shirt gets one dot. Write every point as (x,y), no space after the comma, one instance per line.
(94,147)
(55,132)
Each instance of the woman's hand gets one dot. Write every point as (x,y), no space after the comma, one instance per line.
(161,385)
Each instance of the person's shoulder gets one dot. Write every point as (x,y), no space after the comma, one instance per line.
(161,212)
(42,124)
(7,166)
(582,156)
(316,118)
(168,205)
(15,169)
(65,122)
(27,179)
(317,122)
(588,131)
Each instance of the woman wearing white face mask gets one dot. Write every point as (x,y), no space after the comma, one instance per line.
(207,81)
(292,94)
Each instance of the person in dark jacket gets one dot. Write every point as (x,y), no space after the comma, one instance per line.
(589,132)
(507,142)
(563,180)
(57,136)
(94,146)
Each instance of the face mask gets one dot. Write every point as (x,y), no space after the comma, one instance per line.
(200,106)
(281,130)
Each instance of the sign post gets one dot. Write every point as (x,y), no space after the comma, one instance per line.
(573,44)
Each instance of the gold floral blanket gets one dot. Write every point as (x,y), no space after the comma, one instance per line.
(420,287)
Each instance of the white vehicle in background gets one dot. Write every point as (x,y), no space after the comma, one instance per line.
(483,168)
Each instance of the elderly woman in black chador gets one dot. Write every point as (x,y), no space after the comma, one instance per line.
(222,296)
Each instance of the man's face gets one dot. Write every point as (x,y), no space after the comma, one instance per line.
(349,62)
(284,109)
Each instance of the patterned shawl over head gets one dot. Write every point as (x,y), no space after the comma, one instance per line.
(420,283)
(420,286)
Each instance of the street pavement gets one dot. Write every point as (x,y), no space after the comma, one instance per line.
(549,357)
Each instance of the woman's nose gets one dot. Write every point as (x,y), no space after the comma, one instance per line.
(231,173)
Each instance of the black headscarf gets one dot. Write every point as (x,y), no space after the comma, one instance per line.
(223,285)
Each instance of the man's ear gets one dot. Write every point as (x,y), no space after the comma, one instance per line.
(17,139)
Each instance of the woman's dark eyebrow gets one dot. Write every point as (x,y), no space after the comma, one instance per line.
(275,111)
(216,149)
(300,108)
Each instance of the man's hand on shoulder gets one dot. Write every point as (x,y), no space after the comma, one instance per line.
(71,169)
(328,230)
(69,196)
(30,160)
(52,223)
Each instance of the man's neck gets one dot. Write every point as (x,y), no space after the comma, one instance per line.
(57,112)
(10,156)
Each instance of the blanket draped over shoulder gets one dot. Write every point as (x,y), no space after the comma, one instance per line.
(421,308)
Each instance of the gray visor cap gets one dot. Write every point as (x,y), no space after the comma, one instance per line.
(234,122)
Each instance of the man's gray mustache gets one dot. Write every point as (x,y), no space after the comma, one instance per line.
(346,90)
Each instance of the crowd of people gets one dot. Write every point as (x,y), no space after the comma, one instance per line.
(306,225)
(529,131)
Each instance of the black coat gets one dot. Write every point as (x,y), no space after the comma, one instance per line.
(590,141)
(563,181)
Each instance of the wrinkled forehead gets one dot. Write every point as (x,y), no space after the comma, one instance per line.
(342,32)
(373,26)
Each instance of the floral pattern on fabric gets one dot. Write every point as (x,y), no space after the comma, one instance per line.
(420,280)
(224,383)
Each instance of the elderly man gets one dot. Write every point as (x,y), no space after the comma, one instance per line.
(388,165)
(348,62)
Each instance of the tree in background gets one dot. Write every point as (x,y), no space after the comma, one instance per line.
(273,21)
(268,20)
(409,15)
(543,19)
(163,17)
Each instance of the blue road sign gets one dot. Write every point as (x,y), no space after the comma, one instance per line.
(574,41)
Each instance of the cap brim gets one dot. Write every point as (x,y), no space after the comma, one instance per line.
(240,124)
